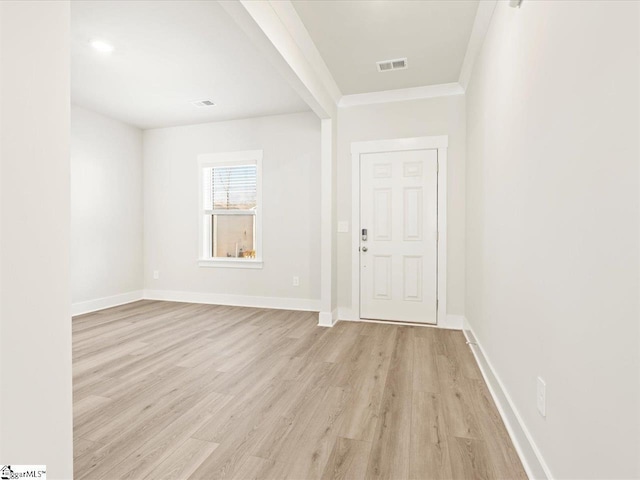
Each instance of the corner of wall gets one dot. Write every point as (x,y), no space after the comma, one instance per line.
(532,460)
(328,319)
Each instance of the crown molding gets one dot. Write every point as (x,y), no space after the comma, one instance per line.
(277,29)
(401,95)
(476,39)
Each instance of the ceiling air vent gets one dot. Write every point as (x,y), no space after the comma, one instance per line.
(389,65)
(203,103)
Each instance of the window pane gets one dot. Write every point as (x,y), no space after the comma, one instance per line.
(233,236)
(230,187)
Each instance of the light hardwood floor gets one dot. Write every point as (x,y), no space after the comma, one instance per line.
(172,390)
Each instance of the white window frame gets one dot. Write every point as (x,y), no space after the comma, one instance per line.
(209,160)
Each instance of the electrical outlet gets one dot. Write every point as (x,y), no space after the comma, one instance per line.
(296,281)
(156,274)
(541,397)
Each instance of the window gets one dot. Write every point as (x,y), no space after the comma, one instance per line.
(230,218)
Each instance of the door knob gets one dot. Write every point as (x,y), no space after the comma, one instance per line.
(364,249)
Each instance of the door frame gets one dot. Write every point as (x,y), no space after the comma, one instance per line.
(439,143)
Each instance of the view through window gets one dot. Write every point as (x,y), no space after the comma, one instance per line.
(231,207)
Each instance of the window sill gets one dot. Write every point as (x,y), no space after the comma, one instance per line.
(229,263)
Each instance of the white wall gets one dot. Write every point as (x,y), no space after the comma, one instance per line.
(416,118)
(291,207)
(35,332)
(552,225)
(106,207)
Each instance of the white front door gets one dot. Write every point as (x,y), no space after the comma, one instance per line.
(399,235)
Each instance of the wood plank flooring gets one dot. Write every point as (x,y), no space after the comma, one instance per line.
(174,391)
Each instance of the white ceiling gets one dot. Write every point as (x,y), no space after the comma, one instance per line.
(168,54)
(352,35)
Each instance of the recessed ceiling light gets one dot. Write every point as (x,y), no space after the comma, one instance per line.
(102,46)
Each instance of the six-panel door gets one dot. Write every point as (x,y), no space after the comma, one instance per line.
(398,259)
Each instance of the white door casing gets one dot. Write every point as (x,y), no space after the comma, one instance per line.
(398,255)
(404,268)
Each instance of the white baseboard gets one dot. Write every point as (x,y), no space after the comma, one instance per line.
(328,319)
(530,455)
(303,304)
(89,306)
(452,322)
